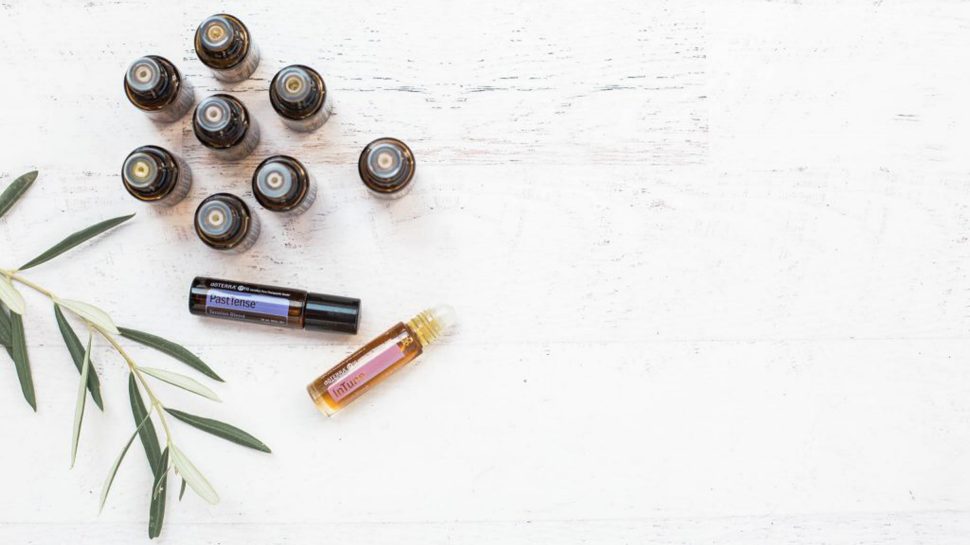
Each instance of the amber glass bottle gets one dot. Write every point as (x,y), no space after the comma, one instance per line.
(270,305)
(156,87)
(282,184)
(155,175)
(386,167)
(300,97)
(378,359)
(224,222)
(223,124)
(225,45)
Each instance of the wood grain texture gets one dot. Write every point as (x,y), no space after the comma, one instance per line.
(711,260)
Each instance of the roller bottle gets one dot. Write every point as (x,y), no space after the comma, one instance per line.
(379,359)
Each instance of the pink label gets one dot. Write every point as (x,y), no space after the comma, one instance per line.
(363,374)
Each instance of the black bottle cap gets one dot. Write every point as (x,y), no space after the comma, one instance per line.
(331,313)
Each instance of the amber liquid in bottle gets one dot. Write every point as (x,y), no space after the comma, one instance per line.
(378,359)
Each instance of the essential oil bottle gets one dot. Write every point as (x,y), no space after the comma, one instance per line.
(223,124)
(225,45)
(386,167)
(224,222)
(283,184)
(156,87)
(378,359)
(268,305)
(300,96)
(155,175)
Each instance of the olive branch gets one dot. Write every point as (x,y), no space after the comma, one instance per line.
(98,324)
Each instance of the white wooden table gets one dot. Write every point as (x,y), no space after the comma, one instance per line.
(712,261)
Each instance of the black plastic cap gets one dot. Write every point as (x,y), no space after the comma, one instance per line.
(331,313)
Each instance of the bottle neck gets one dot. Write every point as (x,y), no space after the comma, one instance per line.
(426,327)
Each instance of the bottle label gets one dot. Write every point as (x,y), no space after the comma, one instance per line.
(360,376)
(239,304)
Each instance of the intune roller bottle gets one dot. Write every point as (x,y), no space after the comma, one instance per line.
(156,87)
(224,44)
(378,359)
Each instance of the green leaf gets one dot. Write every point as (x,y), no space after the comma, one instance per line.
(5,327)
(19,354)
(157,487)
(81,398)
(77,352)
(15,190)
(11,297)
(220,429)
(156,513)
(149,439)
(6,335)
(182,490)
(194,477)
(168,347)
(182,381)
(114,468)
(75,239)
(90,313)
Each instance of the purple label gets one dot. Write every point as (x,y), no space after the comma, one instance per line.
(248,302)
(363,374)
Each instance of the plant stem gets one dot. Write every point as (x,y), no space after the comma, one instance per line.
(156,404)
(16,277)
(160,409)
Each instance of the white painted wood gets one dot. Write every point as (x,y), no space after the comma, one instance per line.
(711,260)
